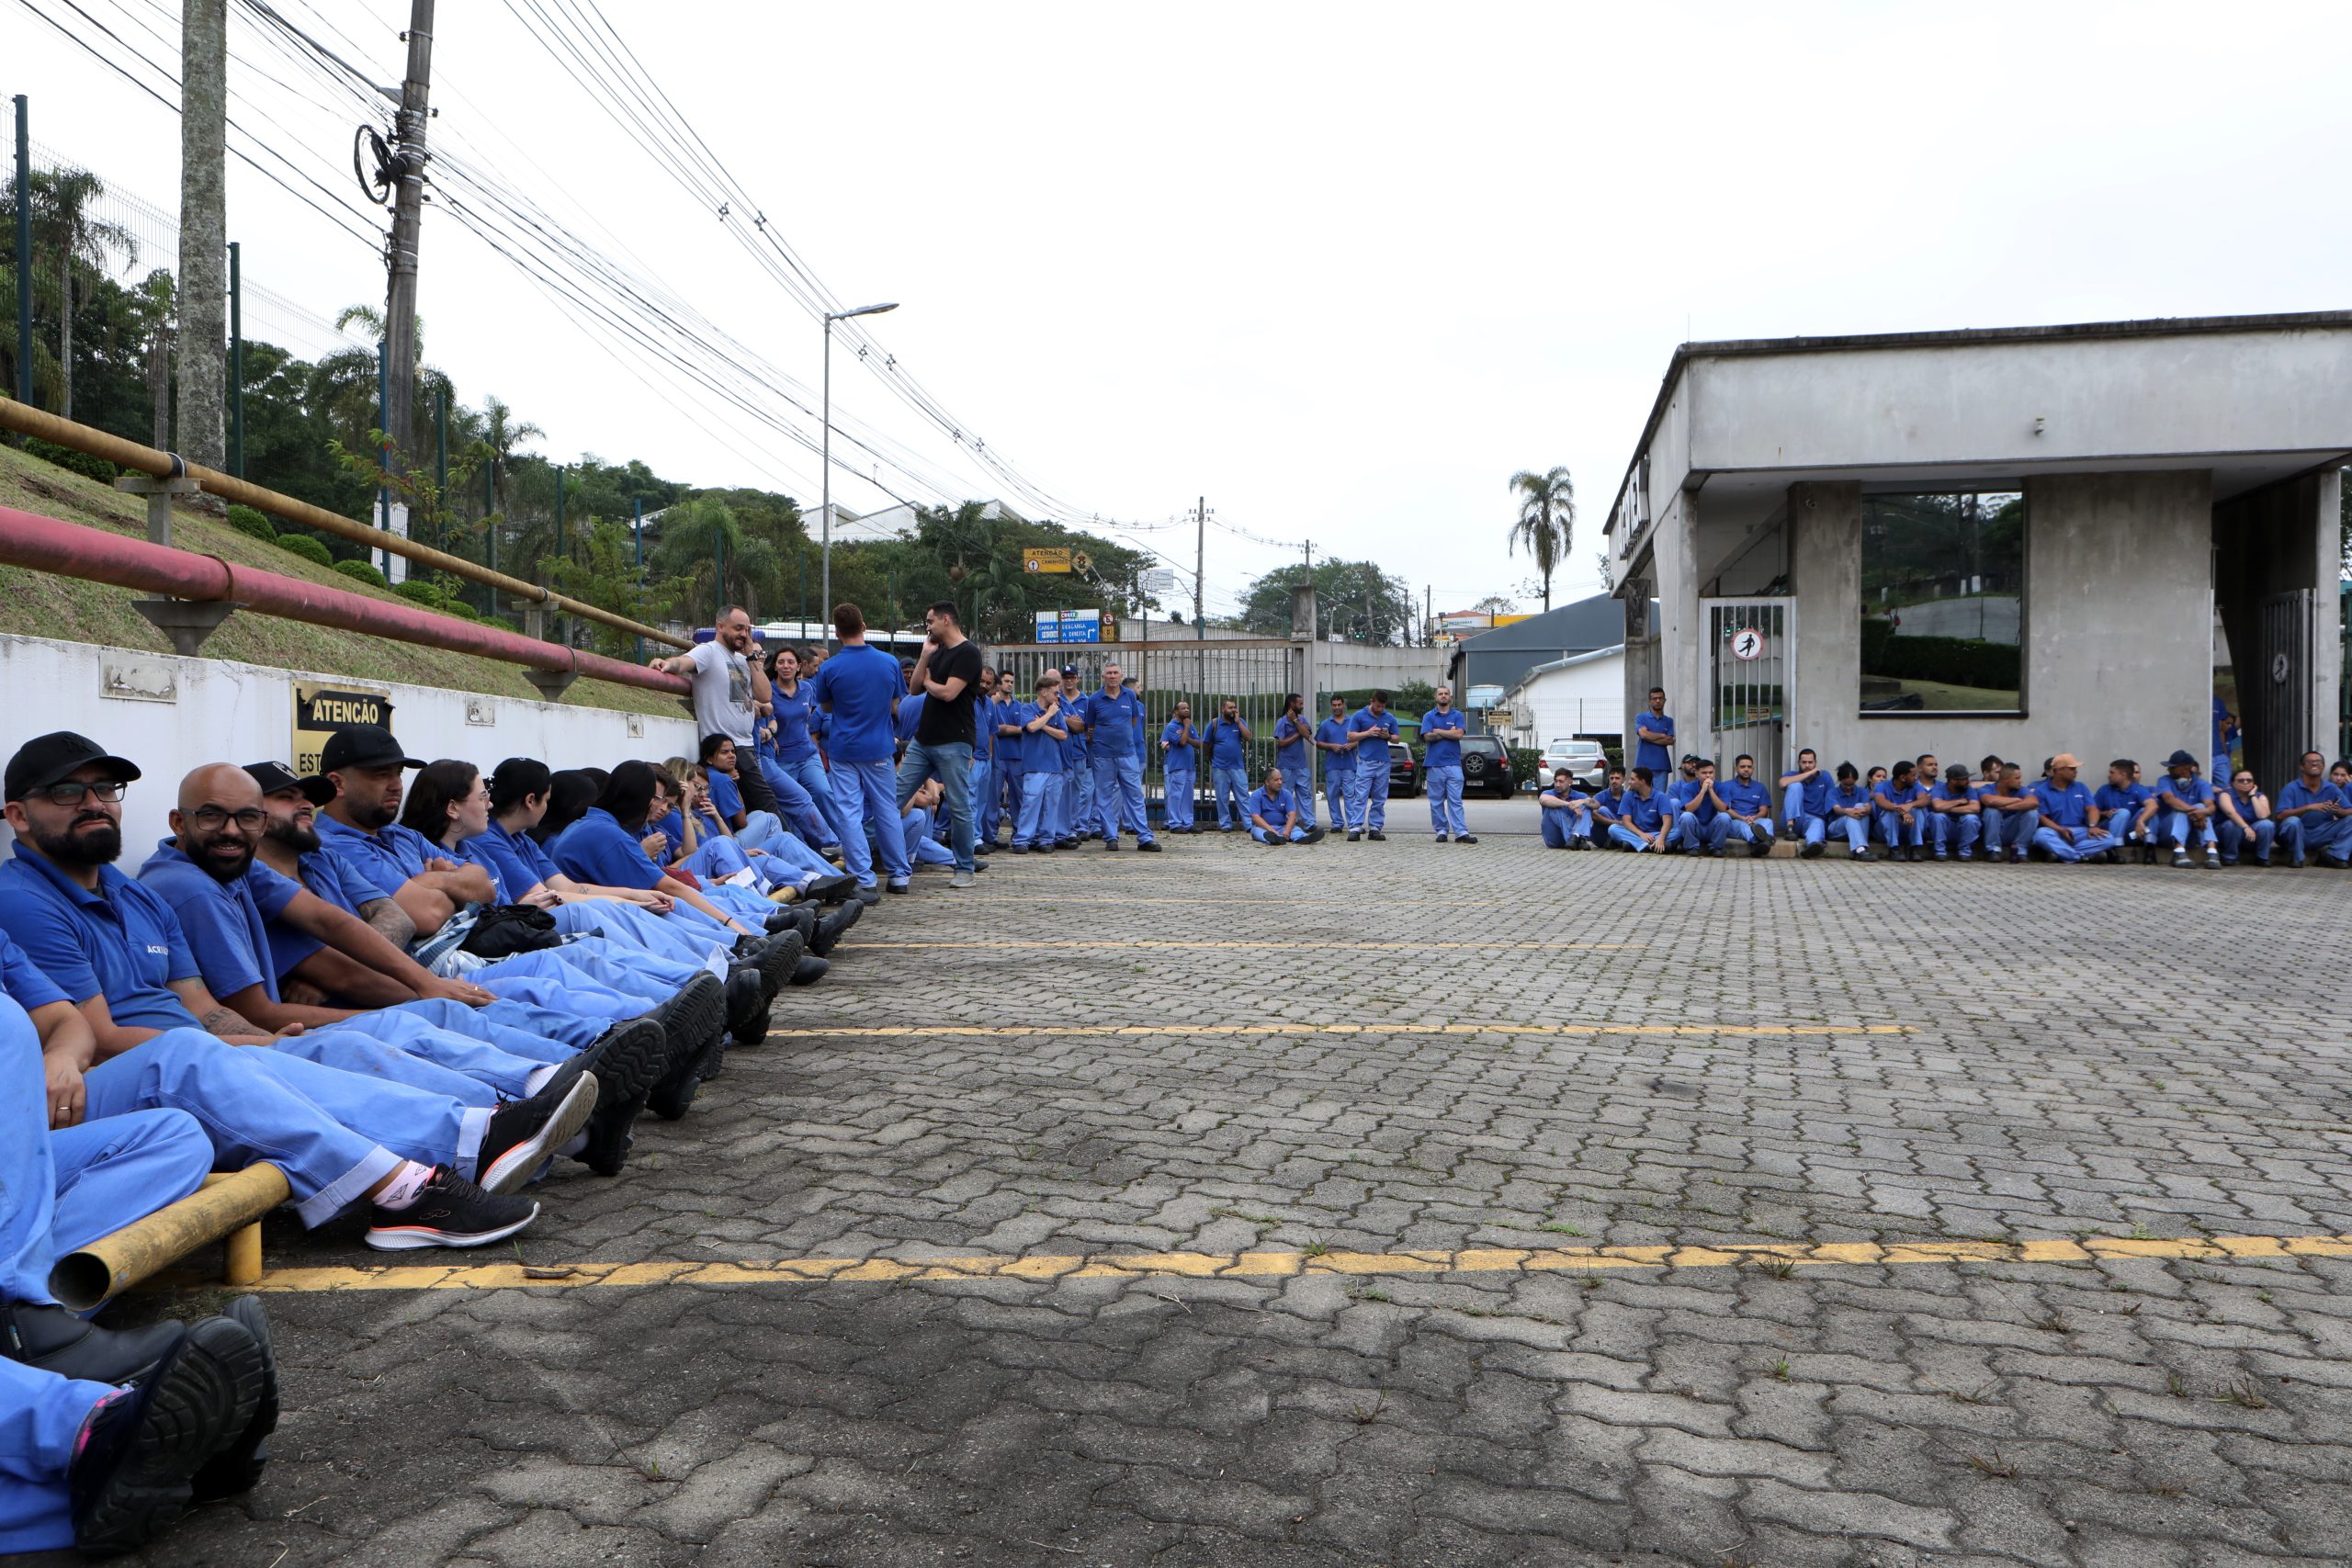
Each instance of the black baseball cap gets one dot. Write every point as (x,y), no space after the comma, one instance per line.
(273,776)
(50,759)
(363,745)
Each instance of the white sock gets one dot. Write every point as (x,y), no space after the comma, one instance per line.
(405,1186)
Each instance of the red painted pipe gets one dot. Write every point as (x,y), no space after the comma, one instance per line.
(93,555)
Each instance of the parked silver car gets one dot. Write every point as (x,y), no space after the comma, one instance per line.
(1585,760)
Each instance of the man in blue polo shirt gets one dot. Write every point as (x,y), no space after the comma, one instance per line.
(1228,740)
(1641,823)
(1338,769)
(1273,814)
(858,688)
(2012,814)
(1804,802)
(1902,809)
(1079,806)
(1695,816)
(1037,824)
(2315,816)
(1294,754)
(1748,806)
(1372,728)
(1180,761)
(1607,803)
(2070,819)
(2185,808)
(1846,811)
(2129,810)
(1442,729)
(1654,737)
(1004,780)
(1114,719)
(1565,814)
(1955,817)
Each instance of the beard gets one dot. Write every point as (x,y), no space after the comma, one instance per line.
(367,818)
(83,844)
(298,836)
(215,867)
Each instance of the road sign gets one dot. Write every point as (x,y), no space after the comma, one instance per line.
(1747,643)
(1159,579)
(1081,625)
(1046,559)
(1079,561)
(1049,625)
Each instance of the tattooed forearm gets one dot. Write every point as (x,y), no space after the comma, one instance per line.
(227,1021)
(390,919)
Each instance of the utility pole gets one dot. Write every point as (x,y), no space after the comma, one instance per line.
(1200,564)
(204,227)
(25,252)
(236,361)
(1429,611)
(408,212)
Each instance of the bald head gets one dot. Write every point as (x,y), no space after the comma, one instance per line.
(220,819)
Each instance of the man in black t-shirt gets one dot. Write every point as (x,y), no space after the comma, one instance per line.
(947,677)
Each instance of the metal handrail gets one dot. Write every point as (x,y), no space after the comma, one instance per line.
(26,420)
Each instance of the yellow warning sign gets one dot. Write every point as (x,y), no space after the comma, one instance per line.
(1049,559)
(319,711)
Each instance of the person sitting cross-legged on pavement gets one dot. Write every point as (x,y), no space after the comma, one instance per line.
(1606,804)
(2070,828)
(2129,810)
(1848,811)
(2245,820)
(1804,802)
(1273,815)
(2012,814)
(1955,817)
(1567,813)
(2184,807)
(1641,822)
(2314,814)
(1699,822)
(1902,807)
(1746,806)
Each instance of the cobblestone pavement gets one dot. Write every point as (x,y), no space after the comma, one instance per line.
(1543,1051)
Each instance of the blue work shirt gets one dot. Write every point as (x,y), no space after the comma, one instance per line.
(1815,799)
(725,794)
(1749,798)
(1944,792)
(1342,762)
(791,713)
(1276,809)
(225,923)
(1364,719)
(27,985)
(1644,816)
(2296,795)
(1113,722)
(1657,757)
(1845,797)
(598,849)
(2069,806)
(1180,738)
(1442,753)
(1226,744)
(1071,748)
(2125,798)
(1011,750)
(1890,794)
(910,714)
(517,864)
(1290,743)
(856,686)
(1040,752)
(983,729)
(1610,801)
(2194,790)
(1684,796)
(122,943)
(388,857)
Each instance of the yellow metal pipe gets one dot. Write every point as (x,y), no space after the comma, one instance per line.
(227,1203)
(27,420)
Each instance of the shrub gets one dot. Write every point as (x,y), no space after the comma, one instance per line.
(307,548)
(81,463)
(245,520)
(1950,660)
(423,590)
(362,571)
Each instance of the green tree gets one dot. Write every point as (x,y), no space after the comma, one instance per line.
(1548,520)
(604,573)
(1353,600)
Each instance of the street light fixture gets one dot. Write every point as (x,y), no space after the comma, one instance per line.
(825,463)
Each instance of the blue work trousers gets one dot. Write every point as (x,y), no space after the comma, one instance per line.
(1692,834)
(2235,839)
(1178,783)
(809,773)
(1368,797)
(1564,825)
(1954,833)
(2080,843)
(1338,793)
(1118,796)
(1445,799)
(796,803)
(2177,827)
(2330,838)
(1896,833)
(1230,787)
(1300,782)
(862,791)
(1035,822)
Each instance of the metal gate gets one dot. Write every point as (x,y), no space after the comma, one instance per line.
(1256,674)
(1751,669)
(2276,694)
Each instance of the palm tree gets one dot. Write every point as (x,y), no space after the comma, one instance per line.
(346,384)
(504,436)
(1548,520)
(714,560)
(68,244)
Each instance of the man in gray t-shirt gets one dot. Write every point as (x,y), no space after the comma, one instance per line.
(730,694)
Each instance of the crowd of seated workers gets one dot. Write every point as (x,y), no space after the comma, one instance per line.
(419,990)
(1913,810)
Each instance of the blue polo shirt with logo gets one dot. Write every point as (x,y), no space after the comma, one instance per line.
(122,942)
(226,924)
(1335,730)
(1442,753)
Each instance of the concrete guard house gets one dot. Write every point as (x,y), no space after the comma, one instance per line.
(2014,541)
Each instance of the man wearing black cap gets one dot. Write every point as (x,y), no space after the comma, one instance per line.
(2185,805)
(357,792)
(102,967)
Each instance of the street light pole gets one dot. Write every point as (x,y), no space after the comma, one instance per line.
(825,461)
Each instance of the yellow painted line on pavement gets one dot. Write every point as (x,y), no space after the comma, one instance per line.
(1350,944)
(1283,1265)
(1017,1030)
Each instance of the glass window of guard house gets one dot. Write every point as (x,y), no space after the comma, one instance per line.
(1943,602)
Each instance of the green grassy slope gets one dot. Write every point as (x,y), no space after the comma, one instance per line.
(35,603)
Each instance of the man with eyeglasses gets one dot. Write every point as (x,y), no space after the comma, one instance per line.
(2315,816)
(2184,806)
(100,965)
(2245,818)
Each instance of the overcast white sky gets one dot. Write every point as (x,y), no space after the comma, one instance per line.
(1339,268)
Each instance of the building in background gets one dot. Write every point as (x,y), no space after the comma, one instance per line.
(1502,657)
(1581,697)
(2015,541)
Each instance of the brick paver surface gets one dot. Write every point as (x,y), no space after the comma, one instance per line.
(2085,1052)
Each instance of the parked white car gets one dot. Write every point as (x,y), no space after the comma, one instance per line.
(1585,760)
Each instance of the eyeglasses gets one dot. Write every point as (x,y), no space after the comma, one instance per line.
(212,818)
(71,791)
